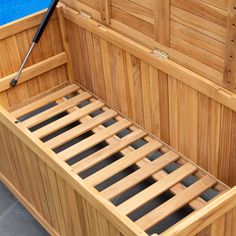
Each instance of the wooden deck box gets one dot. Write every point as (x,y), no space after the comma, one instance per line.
(123,121)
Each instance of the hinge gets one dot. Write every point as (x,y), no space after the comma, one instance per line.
(160,54)
(85,14)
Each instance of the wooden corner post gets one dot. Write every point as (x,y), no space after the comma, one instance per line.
(62,24)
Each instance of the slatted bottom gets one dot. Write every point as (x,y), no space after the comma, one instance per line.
(149,183)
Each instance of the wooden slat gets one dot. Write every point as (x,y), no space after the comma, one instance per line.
(156,189)
(107,151)
(139,175)
(80,129)
(93,140)
(45,100)
(123,163)
(55,110)
(175,203)
(35,70)
(68,119)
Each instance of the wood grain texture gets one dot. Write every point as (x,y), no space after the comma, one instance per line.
(197,34)
(178,114)
(48,190)
(45,68)
(185,117)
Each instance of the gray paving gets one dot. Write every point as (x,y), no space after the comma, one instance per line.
(15,220)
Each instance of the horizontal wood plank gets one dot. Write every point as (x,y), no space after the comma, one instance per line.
(45,100)
(68,119)
(123,163)
(80,129)
(35,70)
(108,151)
(56,110)
(93,140)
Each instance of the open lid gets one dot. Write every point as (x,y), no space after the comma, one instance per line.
(197,34)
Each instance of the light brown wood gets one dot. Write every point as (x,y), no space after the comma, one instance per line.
(52,187)
(80,129)
(123,163)
(106,11)
(151,24)
(68,119)
(139,175)
(206,216)
(93,140)
(106,152)
(45,100)
(65,40)
(21,25)
(173,99)
(154,100)
(55,110)
(230,52)
(35,70)
(186,76)
(175,203)
(162,21)
(156,189)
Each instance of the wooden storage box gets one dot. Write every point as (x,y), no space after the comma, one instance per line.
(91,136)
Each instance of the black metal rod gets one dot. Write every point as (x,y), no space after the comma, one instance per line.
(36,38)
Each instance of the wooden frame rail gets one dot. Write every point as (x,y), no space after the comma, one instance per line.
(35,70)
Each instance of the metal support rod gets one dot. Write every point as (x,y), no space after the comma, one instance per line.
(14,81)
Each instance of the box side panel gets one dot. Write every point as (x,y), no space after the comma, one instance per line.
(49,197)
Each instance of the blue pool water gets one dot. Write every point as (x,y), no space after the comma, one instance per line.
(14,9)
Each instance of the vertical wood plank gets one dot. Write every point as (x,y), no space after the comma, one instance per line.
(49,196)
(164,108)
(232,172)
(225,145)
(162,21)
(218,227)
(173,112)
(99,82)
(20,92)
(121,75)
(24,45)
(57,201)
(65,42)
(145,81)
(155,100)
